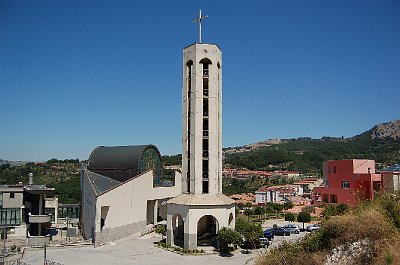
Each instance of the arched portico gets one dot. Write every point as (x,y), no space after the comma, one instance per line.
(207,228)
(203,216)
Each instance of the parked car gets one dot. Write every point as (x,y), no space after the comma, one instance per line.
(313,227)
(268,234)
(245,251)
(292,228)
(264,242)
(280,231)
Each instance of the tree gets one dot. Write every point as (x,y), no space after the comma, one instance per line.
(240,225)
(309,209)
(288,205)
(342,208)
(289,217)
(258,210)
(277,207)
(240,205)
(252,232)
(227,236)
(304,217)
(329,210)
(248,212)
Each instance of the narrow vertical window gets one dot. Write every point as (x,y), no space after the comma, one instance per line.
(189,92)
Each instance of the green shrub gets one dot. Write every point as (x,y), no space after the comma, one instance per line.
(290,217)
(160,229)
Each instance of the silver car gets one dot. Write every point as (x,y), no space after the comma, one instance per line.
(313,227)
(293,229)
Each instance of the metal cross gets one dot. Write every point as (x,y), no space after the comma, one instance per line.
(199,20)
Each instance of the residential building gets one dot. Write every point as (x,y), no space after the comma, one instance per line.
(308,185)
(277,194)
(287,174)
(391,178)
(23,212)
(348,181)
(62,215)
(244,198)
(243,174)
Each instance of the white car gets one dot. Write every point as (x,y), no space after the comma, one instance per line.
(264,241)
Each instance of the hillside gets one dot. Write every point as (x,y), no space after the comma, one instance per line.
(381,143)
(61,175)
(366,234)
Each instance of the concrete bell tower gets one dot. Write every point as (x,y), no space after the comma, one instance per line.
(202,119)
(195,216)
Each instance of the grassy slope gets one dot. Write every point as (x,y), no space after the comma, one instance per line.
(377,222)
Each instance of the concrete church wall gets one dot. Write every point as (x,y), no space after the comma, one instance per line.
(125,207)
(88,220)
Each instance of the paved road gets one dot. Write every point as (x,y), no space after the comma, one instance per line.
(132,250)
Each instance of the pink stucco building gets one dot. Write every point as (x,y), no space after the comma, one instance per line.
(347,181)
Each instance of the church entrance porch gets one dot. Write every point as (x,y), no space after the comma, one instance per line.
(207,228)
(202,216)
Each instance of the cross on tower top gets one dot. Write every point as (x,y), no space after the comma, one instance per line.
(199,19)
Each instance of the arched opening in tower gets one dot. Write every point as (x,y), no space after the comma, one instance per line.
(207,228)
(177,230)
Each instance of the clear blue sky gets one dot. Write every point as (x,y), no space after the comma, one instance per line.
(78,74)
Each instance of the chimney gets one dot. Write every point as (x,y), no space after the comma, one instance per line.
(30,178)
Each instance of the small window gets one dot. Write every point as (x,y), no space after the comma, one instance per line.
(205,187)
(345,184)
(333,198)
(12,194)
(205,107)
(325,198)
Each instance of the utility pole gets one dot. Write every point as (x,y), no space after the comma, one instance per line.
(4,243)
(45,254)
(68,234)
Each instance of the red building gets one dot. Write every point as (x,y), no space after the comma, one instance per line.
(347,181)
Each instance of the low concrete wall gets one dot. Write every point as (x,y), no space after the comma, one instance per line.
(38,240)
(112,234)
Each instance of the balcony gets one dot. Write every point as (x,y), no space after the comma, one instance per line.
(39,219)
(38,240)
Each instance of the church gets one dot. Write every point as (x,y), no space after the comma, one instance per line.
(123,189)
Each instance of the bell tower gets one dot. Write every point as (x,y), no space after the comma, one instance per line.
(195,216)
(202,119)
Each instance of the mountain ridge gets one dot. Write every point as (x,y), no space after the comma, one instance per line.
(305,154)
(385,130)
